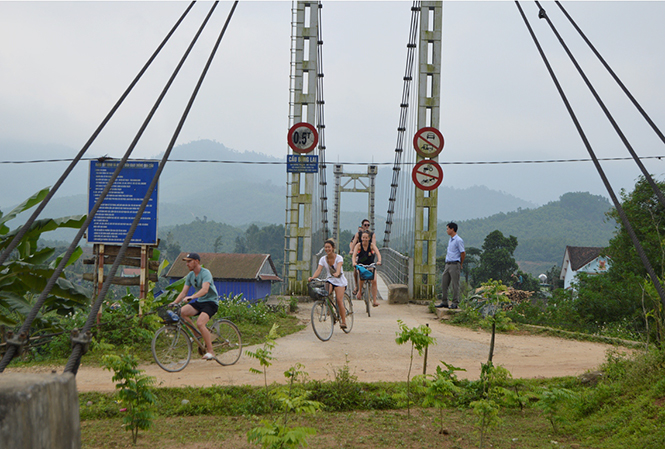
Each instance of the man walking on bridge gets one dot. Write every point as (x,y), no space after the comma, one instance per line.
(451,273)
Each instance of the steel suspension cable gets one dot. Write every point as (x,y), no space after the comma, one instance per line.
(75,357)
(404,108)
(25,327)
(17,238)
(624,219)
(609,116)
(321,126)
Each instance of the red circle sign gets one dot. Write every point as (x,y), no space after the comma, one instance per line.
(428,142)
(427,175)
(303,137)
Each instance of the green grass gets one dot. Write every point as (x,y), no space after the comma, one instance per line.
(356,429)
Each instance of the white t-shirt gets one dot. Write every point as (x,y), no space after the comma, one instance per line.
(337,282)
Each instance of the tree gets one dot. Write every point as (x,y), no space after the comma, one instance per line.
(647,217)
(471,262)
(617,296)
(554,277)
(497,261)
(170,247)
(266,240)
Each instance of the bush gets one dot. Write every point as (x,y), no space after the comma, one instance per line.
(239,310)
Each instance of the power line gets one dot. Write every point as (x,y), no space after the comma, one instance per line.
(216,161)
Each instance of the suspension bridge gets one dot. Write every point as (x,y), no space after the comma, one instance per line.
(409,242)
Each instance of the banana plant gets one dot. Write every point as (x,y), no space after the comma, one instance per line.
(24,275)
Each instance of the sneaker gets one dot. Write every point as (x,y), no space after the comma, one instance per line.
(453,307)
(208,356)
(442,305)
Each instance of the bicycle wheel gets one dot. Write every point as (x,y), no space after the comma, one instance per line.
(367,297)
(171,348)
(226,342)
(348,305)
(322,320)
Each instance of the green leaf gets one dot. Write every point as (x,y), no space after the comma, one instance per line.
(25,205)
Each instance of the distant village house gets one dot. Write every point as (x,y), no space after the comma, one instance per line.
(582,259)
(249,274)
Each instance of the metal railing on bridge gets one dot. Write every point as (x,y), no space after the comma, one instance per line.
(395,268)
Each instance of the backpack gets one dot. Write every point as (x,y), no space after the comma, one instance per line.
(364,273)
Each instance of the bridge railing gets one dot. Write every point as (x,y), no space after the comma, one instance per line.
(315,259)
(395,268)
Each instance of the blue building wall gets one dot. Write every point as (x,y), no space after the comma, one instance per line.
(251,290)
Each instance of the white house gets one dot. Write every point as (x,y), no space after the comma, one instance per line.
(582,259)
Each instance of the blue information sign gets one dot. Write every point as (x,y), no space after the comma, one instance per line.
(297,163)
(116,214)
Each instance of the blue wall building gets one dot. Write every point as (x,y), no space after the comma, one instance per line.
(249,274)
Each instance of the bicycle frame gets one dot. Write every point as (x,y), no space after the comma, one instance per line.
(192,332)
(366,290)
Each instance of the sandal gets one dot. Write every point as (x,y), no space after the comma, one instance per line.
(355,292)
(375,305)
(208,356)
(342,326)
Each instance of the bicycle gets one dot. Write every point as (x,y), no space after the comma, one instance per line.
(325,313)
(366,293)
(172,344)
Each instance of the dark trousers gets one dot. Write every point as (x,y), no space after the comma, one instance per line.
(451,275)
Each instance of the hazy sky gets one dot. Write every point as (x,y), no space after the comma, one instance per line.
(64,64)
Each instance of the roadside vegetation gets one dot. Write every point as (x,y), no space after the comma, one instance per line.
(621,303)
(622,405)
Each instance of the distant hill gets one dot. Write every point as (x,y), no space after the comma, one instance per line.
(232,193)
(576,219)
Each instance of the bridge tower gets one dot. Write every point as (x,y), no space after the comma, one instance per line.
(429,98)
(353,182)
(302,108)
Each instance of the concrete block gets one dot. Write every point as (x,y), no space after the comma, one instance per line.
(446,314)
(398,294)
(39,411)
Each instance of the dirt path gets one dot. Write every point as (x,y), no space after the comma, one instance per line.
(373,354)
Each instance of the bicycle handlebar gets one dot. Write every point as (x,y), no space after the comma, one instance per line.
(372,265)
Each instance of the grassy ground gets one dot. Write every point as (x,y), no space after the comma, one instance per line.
(624,409)
(357,429)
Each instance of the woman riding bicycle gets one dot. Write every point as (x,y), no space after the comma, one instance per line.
(331,263)
(365,253)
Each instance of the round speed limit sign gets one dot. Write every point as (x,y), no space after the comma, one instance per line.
(303,137)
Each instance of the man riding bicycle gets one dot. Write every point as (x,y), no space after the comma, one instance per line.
(204,302)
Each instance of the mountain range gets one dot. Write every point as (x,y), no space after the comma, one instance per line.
(229,192)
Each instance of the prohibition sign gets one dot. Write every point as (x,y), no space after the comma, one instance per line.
(428,142)
(302,137)
(427,175)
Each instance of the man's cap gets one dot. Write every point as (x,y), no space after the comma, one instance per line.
(191,256)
